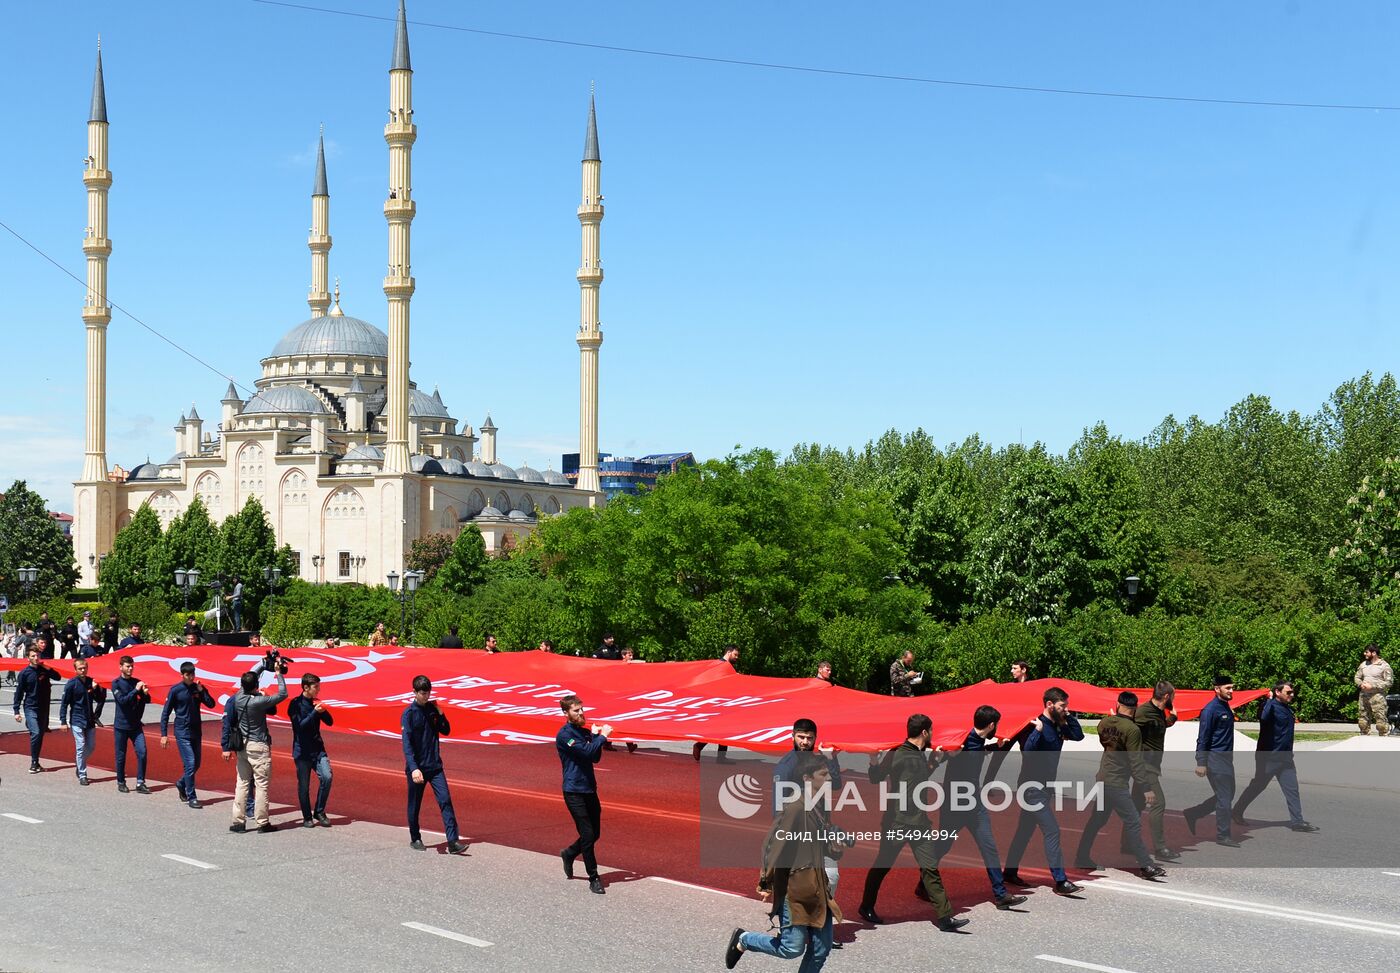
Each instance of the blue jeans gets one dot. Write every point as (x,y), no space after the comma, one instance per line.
(191,757)
(138,743)
(987,845)
(812,944)
(1119,801)
(84,743)
(37,725)
(438,781)
(1044,818)
(321,764)
(236,609)
(1269,765)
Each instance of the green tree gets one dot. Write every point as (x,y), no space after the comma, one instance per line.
(132,566)
(30,538)
(1367,561)
(428,554)
(191,541)
(465,568)
(247,546)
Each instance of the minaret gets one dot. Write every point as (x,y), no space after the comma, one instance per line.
(400,134)
(590,276)
(320,240)
(96,312)
(488,441)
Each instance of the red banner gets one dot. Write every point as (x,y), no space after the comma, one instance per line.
(513,697)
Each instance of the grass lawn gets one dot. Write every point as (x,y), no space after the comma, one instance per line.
(1299,737)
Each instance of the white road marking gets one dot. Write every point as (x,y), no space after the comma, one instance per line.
(448,934)
(1081,965)
(21,817)
(702,888)
(1396,874)
(189,861)
(1257,908)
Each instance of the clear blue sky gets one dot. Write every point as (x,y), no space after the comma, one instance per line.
(790,256)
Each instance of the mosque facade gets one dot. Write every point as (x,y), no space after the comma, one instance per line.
(349,457)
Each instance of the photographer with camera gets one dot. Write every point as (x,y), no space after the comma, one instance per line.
(422,724)
(246,734)
(130,696)
(306,714)
(184,701)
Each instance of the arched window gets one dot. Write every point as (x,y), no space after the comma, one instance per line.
(165,505)
(251,470)
(345,504)
(211,493)
(502,502)
(294,489)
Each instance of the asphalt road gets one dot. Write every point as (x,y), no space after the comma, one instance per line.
(108,882)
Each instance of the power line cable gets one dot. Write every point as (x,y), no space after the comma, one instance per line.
(838,72)
(331,439)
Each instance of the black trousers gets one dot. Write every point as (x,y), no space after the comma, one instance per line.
(587,814)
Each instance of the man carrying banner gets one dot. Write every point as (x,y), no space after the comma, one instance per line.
(81,706)
(1121,763)
(421,726)
(184,700)
(1273,758)
(904,821)
(579,749)
(1041,743)
(33,694)
(1215,761)
(730,655)
(1152,719)
(307,714)
(130,696)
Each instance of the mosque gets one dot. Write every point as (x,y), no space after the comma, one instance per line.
(350,458)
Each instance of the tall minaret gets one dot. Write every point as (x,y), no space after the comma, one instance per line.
(398,211)
(94,496)
(320,240)
(590,276)
(96,312)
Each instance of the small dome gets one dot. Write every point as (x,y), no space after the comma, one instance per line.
(145,471)
(427,406)
(175,460)
(364,454)
(452,467)
(333,335)
(285,399)
(427,465)
(555,478)
(518,515)
(489,512)
(477,468)
(528,475)
(503,472)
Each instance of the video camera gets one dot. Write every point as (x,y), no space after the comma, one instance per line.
(276,661)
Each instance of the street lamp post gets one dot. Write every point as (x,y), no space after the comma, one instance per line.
(185,579)
(405,595)
(28,577)
(273,578)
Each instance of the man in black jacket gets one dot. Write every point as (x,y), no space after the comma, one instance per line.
(1215,761)
(111,634)
(1273,758)
(33,693)
(130,696)
(307,715)
(422,724)
(184,700)
(81,708)
(730,655)
(905,768)
(68,640)
(451,640)
(579,749)
(1153,718)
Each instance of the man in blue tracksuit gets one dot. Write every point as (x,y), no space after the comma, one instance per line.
(307,714)
(33,693)
(80,709)
(422,724)
(1041,743)
(184,701)
(1273,758)
(579,749)
(130,696)
(1215,761)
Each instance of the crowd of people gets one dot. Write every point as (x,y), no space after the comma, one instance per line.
(799,876)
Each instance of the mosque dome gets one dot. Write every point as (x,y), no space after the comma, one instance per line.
(489,512)
(555,478)
(528,475)
(364,454)
(518,515)
(333,334)
(478,468)
(422,463)
(426,406)
(503,472)
(145,471)
(452,467)
(283,399)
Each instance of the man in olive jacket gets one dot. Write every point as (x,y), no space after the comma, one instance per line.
(1121,763)
(903,769)
(1152,719)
